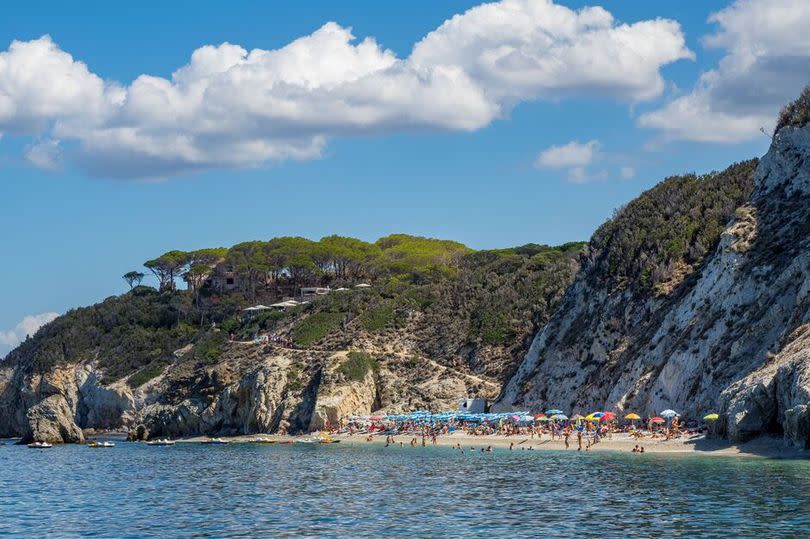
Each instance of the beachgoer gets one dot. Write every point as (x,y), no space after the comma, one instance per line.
(579,440)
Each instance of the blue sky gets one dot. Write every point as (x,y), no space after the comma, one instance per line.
(494,175)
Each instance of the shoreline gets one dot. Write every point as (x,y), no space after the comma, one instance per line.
(761,447)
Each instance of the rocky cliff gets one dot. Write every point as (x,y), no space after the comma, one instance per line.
(726,331)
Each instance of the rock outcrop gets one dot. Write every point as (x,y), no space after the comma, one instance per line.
(774,398)
(51,420)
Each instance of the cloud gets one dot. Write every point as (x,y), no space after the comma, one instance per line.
(627,172)
(574,157)
(766,64)
(573,154)
(45,154)
(230,107)
(27,326)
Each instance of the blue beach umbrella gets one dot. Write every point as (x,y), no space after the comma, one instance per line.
(554,412)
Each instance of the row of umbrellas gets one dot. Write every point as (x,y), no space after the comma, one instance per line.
(549,415)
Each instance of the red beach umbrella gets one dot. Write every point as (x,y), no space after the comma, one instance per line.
(608,416)
(657,419)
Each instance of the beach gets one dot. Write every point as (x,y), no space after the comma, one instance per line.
(763,447)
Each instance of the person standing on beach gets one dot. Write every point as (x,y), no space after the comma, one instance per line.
(579,440)
(567,434)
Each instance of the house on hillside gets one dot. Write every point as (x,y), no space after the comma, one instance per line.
(223,279)
(312,292)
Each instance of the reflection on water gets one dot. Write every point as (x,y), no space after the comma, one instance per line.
(245,490)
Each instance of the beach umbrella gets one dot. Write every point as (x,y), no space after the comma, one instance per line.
(595,416)
(632,416)
(559,416)
(657,419)
(554,412)
(538,417)
(577,417)
(669,413)
(608,416)
(711,417)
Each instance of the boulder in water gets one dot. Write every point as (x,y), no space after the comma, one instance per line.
(52,421)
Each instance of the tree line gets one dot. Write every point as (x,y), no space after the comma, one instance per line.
(293,262)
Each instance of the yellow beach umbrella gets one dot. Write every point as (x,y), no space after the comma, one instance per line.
(632,416)
(711,417)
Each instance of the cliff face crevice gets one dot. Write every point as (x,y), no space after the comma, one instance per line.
(722,339)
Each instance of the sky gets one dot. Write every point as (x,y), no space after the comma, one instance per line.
(127,130)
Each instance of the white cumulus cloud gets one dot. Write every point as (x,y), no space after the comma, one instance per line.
(230,107)
(28,326)
(571,155)
(766,64)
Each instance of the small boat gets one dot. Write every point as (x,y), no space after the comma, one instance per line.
(40,445)
(96,444)
(161,442)
(260,440)
(216,441)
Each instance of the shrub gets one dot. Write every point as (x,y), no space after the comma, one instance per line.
(380,316)
(357,365)
(315,327)
(147,373)
(795,113)
(491,327)
(209,348)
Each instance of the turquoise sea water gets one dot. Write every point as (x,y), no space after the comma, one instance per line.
(245,490)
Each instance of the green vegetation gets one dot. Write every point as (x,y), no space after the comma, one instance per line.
(381,316)
(153,370)
(357,365)
(796,113)
(209,347)
(673,224)
(491,327)
(124,334)
(315,327)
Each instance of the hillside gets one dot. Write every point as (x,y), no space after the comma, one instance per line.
(695,297)
(438,322)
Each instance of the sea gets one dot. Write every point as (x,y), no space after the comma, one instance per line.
(342,490)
